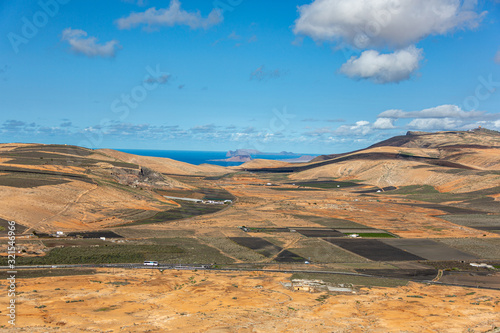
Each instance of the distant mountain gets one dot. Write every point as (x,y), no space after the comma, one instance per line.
(253,152)
(476,138)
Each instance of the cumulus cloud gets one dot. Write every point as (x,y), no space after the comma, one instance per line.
(89,46)
(367,23)
(173,15)
(384,123)
(435,124)
(442,111)
(372,26)
(361,127)
(383,68)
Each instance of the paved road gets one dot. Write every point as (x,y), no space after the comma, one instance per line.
(207,267)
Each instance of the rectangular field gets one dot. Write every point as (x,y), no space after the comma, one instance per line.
(95,234)
(328,184)
(373,249)
(445,209)
(320,232)
(429,249)
(481,248)
(319,251)
(331,222)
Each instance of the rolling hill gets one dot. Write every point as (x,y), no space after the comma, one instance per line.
(456,161)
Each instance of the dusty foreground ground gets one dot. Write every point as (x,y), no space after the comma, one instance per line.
(189,301)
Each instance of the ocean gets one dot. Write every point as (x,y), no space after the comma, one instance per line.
(201,157)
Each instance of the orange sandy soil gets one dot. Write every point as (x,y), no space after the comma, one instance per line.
(72,206)
(188,301)
(261,206)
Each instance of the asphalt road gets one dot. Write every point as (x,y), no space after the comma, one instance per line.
(203,267)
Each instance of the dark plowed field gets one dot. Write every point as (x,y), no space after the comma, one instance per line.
(447,209)
(331,222)
(259,245)
(412,274)
(320,233)
(429,249)
(252,229)
(287,256)
(94,234)
(372,249)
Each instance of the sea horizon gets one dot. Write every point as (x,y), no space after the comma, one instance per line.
(198,157)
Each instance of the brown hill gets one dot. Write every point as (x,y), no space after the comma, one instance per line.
(166,165)
(480,138)
(57,187)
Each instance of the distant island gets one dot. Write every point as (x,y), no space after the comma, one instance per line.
(245,155)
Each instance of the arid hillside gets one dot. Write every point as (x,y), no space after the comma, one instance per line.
(51,187)
(166,165)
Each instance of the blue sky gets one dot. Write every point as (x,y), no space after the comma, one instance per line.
(323,76)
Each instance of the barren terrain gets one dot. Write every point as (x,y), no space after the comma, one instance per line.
(417,208)
(147,300)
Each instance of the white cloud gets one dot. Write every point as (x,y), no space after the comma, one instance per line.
(171,16)
(396,23)
(89,46)
(435,124)
(442,111)
(383,68)
(384,123)
(361,127)
(497,57)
